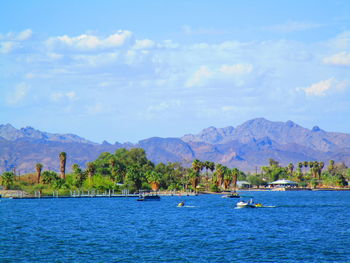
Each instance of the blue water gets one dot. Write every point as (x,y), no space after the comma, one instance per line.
(304,227)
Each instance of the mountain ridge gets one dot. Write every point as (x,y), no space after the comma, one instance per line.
(246,146)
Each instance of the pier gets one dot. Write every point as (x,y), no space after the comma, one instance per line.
(93,194)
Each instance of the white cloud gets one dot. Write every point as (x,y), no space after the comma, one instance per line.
(202,31)
(199,77)
(203,74)
(24,35)
(96,60)
(19,93)
(54,56)
(21,36)
(164,105)
(325,86)
(12,40)
(58,96)
(227,108)
(144,44)
(7,47)
(237,69)
(341,41)
(292,26)
(97,108)
(90,42)
(340,59)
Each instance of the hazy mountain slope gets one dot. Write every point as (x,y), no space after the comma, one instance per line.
(166,150)
(10,133)
(247,146)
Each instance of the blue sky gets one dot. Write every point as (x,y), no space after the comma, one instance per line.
(129,70)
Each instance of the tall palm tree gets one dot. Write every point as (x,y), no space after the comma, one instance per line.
(227,179)
(331,166)
(211,166)
(306,164)
(197,165)
(153,179)
(91,169)
(38,168)
(235,173)
(63,159)
(290,168)
(300,165)
(194,178)
(220,171)
(321,167)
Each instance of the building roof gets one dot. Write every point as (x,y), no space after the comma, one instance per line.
(283,181)
(242,182)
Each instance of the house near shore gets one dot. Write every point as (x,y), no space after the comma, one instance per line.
(243,184)
(283,183)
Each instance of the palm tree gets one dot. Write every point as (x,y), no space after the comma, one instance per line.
(220,171)
(290,168)
(153,179)
(331,167)
(300,165)
(321,167)
(91,169)
(63,158)
(211,166)
(112,164)
(38,168)
(197,165)
(235,173)
(49,177)
(7,179)
(194,178)
(227,179)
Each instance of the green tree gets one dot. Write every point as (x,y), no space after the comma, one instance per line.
(197,165)
(220,171)
(48,177)
(78,175)
(227,178)
(134,176)
(290,168)
(255,180)
(330,167)
(235,173)
(7,179)
(153,179)
(38,168)
(91,169)
(194,178)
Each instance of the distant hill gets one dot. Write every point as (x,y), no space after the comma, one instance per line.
(247,146)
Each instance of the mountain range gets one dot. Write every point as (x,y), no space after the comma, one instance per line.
(246,146)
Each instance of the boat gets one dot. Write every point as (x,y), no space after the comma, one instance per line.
(181,204)
(231,195)
(242,204)
(250,204)
(149,198)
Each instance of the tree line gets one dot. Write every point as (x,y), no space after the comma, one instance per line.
(130,169)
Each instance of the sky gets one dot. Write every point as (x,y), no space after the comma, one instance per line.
(129,70)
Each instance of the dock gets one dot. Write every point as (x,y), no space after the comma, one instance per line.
(92,194)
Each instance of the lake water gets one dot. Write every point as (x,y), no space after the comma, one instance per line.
(304,227)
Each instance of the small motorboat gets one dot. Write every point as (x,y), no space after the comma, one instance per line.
(181,204)
(231,195)
(149,198)
(244,204)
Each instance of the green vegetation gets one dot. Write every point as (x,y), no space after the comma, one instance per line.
(130,169)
